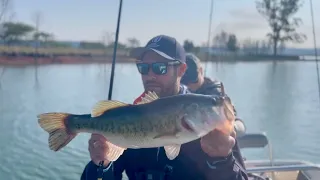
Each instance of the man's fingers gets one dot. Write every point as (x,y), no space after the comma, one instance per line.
(217,144)
(231,141)
(98,137)
(233,134)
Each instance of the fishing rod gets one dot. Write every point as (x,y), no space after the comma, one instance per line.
(209,36)
(315,46)
(100,168)
(115,52)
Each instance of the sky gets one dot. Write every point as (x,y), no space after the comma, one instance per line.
(76,20)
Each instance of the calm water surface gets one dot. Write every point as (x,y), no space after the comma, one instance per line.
(280,100)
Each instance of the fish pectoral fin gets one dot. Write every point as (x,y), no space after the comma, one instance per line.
(114,152)
(172,151)
(229,112)
(148,97)
(187,124)
(103,106)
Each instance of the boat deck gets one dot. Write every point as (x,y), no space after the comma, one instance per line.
(276,169)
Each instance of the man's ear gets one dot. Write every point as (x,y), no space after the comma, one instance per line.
(201,71)
(182,69)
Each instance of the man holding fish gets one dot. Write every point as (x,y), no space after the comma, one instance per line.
(169,133)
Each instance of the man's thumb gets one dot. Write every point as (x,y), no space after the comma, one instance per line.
(233,134)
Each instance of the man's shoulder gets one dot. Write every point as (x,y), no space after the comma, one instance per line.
(211,87)
(213,82)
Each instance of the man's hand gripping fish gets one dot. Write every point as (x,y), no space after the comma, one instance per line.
(154,122)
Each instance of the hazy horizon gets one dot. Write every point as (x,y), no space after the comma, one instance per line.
(81,20)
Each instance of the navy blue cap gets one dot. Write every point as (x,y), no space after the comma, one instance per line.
(166,46)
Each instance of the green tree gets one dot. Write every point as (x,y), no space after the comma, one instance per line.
(43,37)
(220,40)
(279,14)
(133,42)
(120,45)
(188,46)
(232,43)
(13,32)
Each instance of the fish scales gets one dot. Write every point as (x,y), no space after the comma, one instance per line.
(144,119)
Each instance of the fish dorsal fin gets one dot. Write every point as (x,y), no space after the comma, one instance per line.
(148,97)
(103,106)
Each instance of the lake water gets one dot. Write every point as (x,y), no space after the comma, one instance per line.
(280,100)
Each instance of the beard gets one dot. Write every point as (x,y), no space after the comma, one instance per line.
(154,87)
(161,90)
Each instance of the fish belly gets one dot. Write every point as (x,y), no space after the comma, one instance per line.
(149,141)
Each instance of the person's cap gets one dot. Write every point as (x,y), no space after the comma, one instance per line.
(166,46)
(193,62)
(191,74)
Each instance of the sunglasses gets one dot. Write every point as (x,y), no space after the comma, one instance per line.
(159,68)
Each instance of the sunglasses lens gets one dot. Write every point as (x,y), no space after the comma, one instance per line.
(143,68)
(159,68)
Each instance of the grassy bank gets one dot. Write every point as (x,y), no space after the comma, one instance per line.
(61,50)
(17,55)
(248,58)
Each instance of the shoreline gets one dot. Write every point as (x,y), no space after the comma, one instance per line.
(26,60)
(67,59)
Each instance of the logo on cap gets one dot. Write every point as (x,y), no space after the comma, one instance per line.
(154,41)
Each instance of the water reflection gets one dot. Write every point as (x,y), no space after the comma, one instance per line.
(281,101)
(36,78)
(1,74)
(278,103)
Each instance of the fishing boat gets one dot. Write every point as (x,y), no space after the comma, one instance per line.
(280,169)
(268,169)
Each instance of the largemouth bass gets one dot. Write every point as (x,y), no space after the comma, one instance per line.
(154,122)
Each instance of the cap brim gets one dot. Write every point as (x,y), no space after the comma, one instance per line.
(137,53)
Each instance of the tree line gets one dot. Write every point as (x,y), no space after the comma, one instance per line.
(283,24)
(19,33)
(278,13)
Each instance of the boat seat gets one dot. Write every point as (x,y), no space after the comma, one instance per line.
(308,175)
(253,140)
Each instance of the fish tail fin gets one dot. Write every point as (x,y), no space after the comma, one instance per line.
(55,125)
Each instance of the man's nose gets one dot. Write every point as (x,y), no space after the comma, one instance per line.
(150,75)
